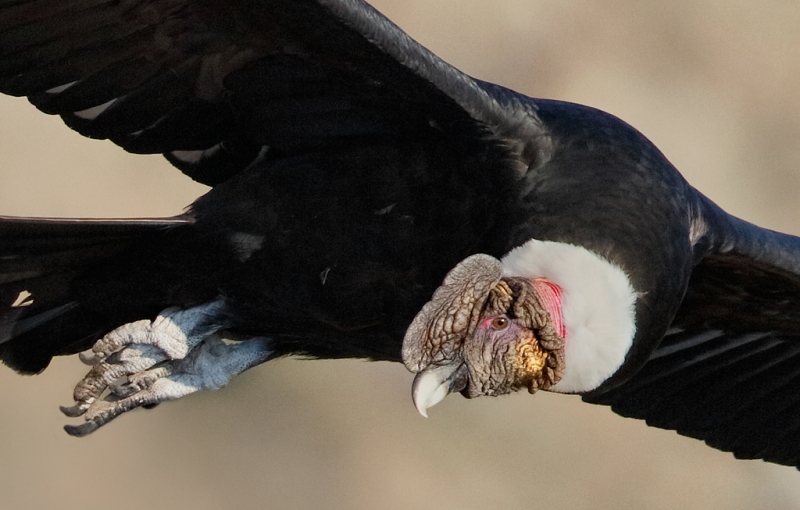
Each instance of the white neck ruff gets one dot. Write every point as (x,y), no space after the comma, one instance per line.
(598,305)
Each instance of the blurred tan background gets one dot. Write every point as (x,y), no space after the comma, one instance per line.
(714,83)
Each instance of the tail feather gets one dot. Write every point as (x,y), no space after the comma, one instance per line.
(40,258)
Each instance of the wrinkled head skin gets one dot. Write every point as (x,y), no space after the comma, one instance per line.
(482,334)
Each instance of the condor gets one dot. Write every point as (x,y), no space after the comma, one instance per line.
(369,200)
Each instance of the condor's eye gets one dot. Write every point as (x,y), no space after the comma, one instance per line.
(500,323)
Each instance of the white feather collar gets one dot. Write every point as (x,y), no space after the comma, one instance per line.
(598,305)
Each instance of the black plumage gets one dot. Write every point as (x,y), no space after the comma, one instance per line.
(352,169)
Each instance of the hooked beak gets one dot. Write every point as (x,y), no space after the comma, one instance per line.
(434,383)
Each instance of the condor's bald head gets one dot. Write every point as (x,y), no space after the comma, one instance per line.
(482,334)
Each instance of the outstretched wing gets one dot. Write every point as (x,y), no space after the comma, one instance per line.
(213,84)
(728,371)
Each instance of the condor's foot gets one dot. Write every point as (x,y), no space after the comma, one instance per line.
(144,363)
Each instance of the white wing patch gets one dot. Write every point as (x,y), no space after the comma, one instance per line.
(60,88)
(23,299)
(94,111)
(193,157)
(697,229)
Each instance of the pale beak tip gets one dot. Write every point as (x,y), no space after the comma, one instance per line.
(431,386)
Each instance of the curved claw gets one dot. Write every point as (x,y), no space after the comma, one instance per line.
(434,383)
(90,359)
(81,430)
(74,411)
(103,411)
